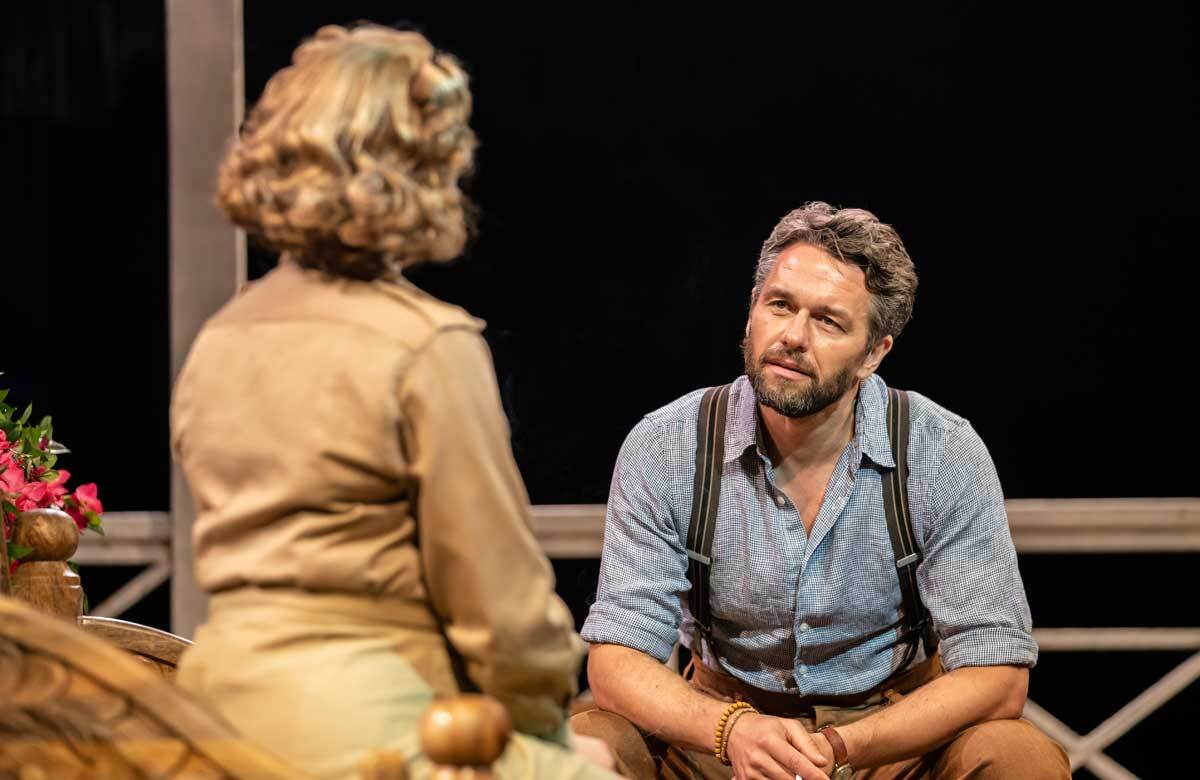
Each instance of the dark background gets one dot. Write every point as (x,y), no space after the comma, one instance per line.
(1038,161)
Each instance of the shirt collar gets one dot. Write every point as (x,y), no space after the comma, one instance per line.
(741,425)
(870,422)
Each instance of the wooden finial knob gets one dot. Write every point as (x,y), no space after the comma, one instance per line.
(465,730)
(51,533)
(383,764)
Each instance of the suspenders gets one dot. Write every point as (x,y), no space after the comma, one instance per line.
(706,494)
(917,624)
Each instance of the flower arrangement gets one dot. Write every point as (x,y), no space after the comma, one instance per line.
(29,479)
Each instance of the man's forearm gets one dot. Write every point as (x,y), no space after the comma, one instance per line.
(930,716)
(655,698)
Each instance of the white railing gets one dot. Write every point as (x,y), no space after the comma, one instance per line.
(1067,526)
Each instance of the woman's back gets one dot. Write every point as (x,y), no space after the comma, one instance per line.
(360,520)
(286,422)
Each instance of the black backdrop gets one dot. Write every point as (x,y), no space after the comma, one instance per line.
(1038,160)
(1038,166)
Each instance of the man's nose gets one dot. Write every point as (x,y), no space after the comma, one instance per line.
(795,336)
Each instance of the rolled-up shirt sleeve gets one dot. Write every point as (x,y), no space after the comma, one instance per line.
(488,580)
(969,579)
(643,569)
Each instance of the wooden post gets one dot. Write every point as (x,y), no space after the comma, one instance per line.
(4,586)
(208,256)
(43,579)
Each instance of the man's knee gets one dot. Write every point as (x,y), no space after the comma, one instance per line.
(1005,749)
(622,737)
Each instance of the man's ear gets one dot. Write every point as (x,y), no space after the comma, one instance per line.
(875,357)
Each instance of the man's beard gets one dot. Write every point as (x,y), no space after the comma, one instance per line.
(792,399)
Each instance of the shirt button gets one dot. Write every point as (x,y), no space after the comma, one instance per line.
(803,670)
(805,626)
(781,499)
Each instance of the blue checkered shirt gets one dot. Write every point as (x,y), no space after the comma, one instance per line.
(811,614)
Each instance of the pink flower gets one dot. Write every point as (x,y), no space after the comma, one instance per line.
(56,488)
(12,479)
(4,442)
(83,504)
(32,496)
(86,496)
(81,522)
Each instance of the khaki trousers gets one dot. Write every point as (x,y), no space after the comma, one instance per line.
(323,680)
(1002,749)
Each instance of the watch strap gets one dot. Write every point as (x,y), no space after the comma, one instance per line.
(840,754)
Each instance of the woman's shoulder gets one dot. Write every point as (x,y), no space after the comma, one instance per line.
(436,313)
(397,311)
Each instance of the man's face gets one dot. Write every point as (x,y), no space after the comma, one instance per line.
(806,338)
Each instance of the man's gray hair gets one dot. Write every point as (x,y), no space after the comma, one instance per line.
(856,237)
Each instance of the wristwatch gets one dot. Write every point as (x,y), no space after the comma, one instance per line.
(841,764)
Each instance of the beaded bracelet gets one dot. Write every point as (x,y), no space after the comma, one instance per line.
(729,730)
(725,724)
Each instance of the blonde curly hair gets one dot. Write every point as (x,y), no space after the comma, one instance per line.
(350,161)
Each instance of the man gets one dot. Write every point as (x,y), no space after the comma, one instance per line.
(807,615)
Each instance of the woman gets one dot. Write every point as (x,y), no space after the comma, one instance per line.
(361,524)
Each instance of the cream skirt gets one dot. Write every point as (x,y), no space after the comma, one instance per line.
(321,680)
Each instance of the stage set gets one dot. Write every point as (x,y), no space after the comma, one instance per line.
(623,166)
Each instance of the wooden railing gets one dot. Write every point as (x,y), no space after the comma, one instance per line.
(130,539)
(1064,525)
(1059,526)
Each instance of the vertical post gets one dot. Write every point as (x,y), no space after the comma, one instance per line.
(43,578)
(208,256)
(4,587)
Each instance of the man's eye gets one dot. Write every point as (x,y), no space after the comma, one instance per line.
(778,304)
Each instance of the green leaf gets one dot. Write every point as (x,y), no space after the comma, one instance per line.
(73,566)
(94,523)
(18,551)
(3,394)
(9,507)
(45,423)
(25,415)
